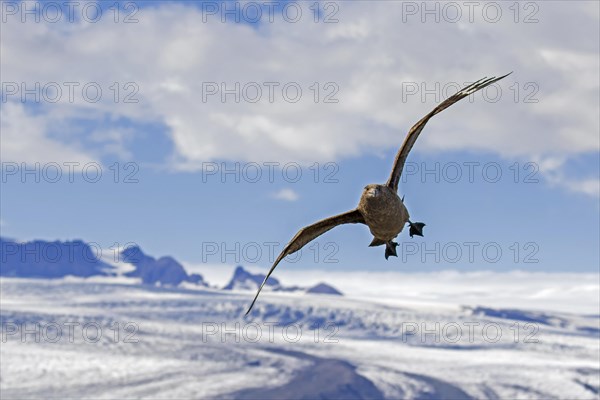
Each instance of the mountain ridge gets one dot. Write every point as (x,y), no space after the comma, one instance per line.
(59,259)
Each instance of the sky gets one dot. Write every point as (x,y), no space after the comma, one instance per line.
(202,131)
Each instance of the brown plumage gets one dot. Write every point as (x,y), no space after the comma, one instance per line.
(380,207)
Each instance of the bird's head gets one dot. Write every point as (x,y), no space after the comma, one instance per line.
(372,190)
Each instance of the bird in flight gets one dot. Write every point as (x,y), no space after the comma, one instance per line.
(380,207)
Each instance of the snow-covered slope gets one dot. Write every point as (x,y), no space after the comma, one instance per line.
(148,342)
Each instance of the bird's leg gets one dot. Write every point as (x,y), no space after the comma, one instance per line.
(416,228)
(376,242)
(390,249)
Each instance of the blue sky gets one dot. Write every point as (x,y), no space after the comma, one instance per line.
(544,125)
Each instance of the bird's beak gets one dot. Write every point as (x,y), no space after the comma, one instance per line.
(372,192)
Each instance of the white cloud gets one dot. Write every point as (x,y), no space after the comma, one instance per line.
(286,194)
(24,139)
(368,55)
(553,172)
(591,186)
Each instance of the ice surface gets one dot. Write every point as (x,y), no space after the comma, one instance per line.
(134,341)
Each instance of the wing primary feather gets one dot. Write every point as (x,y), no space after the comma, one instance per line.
(414,132)
(306,235)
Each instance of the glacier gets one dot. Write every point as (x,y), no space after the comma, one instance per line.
(93,337)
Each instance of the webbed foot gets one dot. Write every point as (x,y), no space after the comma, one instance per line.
(390,249)
(416,228)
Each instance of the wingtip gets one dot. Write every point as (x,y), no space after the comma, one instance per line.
(251,305)
(483,82)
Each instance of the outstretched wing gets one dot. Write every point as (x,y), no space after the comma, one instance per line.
(414,132)
(309,233)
